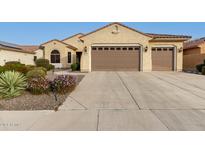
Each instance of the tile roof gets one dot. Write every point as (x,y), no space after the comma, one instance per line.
(168,36)
(17,48)
(81,34)
(6,44)
(146,34)
(29,48)
(194,43)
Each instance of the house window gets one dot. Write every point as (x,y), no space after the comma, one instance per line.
(159,49)
(106,48)
(100,48)
(55,56)
(69,57)
(154,49)
(35,58)
(171,49)
(118,48)
(112,48)
(130,48)
(93,48)
(124,48)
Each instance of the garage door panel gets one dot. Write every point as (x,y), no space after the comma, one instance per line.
(115,59)
(162,60)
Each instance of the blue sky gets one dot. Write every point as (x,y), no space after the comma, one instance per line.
(37,33)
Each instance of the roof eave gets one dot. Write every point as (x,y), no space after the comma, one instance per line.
(169,39)
(68,45)
(114,24)
(16,50)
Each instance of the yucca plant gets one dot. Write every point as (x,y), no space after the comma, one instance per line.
(12,84)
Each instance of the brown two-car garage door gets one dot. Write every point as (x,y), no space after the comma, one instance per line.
(115,58)
(162,59)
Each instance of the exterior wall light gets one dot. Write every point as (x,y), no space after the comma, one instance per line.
(85,49)
(146,49)
(180,49)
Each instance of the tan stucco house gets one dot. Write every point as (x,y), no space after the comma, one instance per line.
(194,53)
(117,47)
(23,54)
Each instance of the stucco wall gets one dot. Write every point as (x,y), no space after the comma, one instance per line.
(24,58)
(202,48)
(105,35)
(39,53)
(75,41)
(63,49)
(192,51)
(190,61)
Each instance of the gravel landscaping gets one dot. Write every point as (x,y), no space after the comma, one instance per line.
(27,101)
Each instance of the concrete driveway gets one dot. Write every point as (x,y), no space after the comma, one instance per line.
(122,101)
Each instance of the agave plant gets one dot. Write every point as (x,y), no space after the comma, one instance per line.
(12,84)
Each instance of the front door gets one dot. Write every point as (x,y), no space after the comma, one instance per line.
(78,58)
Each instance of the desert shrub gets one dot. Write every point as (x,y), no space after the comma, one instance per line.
(41,68)
(38,85)
(63,83)
(36,73)
(75,66)
(2,69)
(12,84)
(30,67)
(203,70)
(16,67)
(199,67)
(12,62)
(50,67)
(42,63)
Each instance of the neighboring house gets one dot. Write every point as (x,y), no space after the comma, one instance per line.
(117,47)
(194,53)
(14,52)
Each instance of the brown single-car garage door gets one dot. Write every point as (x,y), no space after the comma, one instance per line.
(115,58)
(162,59)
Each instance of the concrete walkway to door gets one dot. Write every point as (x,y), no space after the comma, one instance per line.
(122,101)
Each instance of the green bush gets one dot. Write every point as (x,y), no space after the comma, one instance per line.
(41,68)
(30,67)
(38,85)
(199,67)
(12,84)
(36,73)
(203,70)
(2,69)
(42,63)
(50,67)
(75,67)
(12,66)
